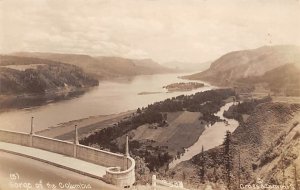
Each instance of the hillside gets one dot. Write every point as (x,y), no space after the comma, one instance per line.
(281,80)
(104,67)
(20,75)
(247,63)
(266,142)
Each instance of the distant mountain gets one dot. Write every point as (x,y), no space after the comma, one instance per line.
(20,75)
(187,66)
(247,63)
(104,67)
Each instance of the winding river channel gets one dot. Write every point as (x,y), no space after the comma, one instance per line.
(107,98)
(211,137)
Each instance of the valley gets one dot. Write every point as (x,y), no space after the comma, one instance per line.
(177,129)
(162,131)
(150,94)
(265,105)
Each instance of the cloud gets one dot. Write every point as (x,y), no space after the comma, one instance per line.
(184,30)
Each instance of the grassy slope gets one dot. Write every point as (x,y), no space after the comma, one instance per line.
(183,130)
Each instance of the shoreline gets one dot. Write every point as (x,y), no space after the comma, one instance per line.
(29,101)
(85,126)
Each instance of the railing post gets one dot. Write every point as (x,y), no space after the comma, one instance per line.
(154,182)
(127,147)
(126,155)
(76,142)
(31,133)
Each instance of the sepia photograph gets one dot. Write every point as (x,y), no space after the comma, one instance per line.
(150,94)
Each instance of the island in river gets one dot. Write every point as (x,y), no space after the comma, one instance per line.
(183,86)
(147,93)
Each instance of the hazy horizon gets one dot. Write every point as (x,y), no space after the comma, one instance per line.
(185,31)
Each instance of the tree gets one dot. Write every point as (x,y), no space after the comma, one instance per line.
(227,144)
(202,165)
(283,168)
(296,178)
(165,116)
(239,169)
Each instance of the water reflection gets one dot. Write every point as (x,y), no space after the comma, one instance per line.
(107,98)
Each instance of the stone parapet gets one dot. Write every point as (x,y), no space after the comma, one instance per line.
(121,168)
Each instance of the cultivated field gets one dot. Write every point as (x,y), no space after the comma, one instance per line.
(183,131)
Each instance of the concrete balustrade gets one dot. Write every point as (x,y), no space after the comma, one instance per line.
(15,138)
(100,157)
(122,178)
(53,145)
(121,168)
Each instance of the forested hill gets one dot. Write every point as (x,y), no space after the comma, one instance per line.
(20,75)
(236,65)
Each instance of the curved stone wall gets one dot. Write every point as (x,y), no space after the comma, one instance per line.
(121,178)
(121,168)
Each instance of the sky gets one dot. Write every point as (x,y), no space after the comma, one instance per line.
(164,30)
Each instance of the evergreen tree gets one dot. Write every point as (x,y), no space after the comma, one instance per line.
(227,144)
(239,169)
(202,166)
(283,168)
(296,178)
(139,111)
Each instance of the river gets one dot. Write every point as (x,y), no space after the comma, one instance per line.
(107,98)
(211,137)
